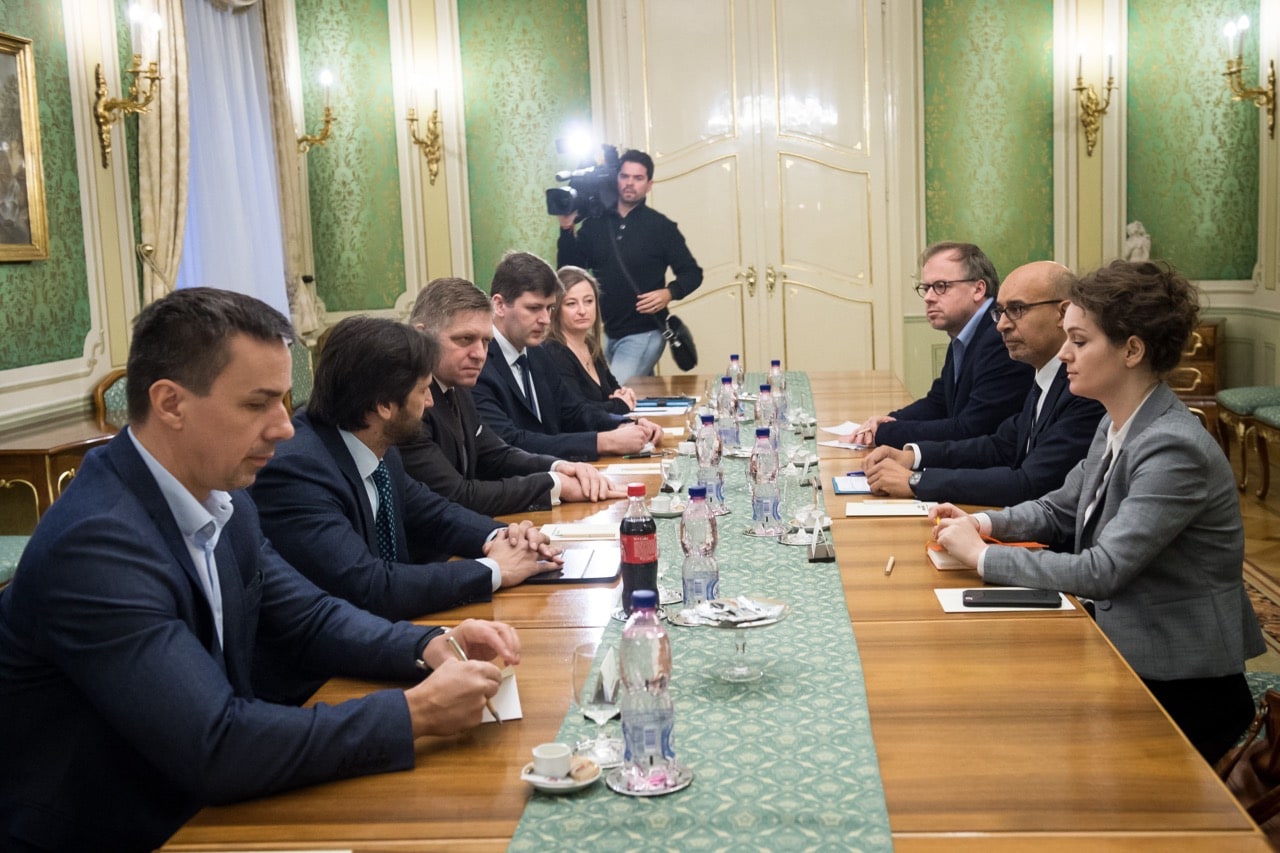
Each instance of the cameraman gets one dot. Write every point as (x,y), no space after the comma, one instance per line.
(637,240)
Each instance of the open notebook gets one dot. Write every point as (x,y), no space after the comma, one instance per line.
(597,564)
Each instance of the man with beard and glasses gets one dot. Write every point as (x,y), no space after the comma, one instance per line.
(337,503)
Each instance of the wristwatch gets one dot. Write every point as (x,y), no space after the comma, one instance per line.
(915,481)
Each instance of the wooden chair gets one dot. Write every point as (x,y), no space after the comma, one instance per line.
(303,377)
(1236,411)
(11,548)
(1266,428)
(110,406)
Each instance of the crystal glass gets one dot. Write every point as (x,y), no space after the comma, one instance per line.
(596,688)
(674,471)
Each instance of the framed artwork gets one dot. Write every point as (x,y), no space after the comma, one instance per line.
(24,226)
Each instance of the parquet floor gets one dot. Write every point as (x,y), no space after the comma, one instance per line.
(1262,550)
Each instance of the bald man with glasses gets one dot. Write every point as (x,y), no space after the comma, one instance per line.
(980,385)
(1030,454)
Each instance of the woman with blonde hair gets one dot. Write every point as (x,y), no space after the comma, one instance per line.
(575,344)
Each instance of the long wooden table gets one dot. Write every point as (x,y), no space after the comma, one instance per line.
(995,731)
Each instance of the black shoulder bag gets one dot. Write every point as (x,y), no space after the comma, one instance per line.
(674,331)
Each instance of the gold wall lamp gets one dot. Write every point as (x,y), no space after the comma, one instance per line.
(1263,97)
(108,110)
(307,141)
(430,144)
(1091,107)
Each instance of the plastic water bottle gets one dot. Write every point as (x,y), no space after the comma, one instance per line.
(648,716)
(778,381)
(709,451)
(763,473)
(727,415)
(698,538)
(767,414)
(735,372)
(638,537)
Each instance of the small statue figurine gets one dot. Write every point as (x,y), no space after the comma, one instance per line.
(1137,242)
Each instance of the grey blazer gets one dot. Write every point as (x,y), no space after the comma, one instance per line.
(1164,567)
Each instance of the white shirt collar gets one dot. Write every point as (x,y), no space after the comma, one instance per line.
(192,516)
(365,459)
(509,352)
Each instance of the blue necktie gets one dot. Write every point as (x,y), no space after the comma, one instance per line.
(522,362)
(384,523)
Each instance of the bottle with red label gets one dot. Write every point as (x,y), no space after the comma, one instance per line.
(638,535)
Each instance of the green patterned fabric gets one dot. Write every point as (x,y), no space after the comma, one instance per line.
(785,763)
(1269,415)
(303,376)
(116,404)
(1246,401)
(11,548)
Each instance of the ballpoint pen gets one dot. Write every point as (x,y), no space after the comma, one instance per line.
(640,455)
(888,567)
(462,656)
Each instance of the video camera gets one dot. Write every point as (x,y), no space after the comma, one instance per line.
(592,190)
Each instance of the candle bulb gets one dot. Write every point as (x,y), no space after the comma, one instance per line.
(136,16)
(156,26)
(1110,65)
(1241,25)
(326,81)
(1080,65)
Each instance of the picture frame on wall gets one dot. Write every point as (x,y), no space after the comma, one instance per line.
(24,226)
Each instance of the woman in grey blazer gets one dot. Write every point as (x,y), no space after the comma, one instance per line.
(1159,543)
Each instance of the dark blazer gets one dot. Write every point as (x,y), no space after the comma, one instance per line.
(1163,563)
(465,461)
(316,512)
(575,379)
(999,469)
(568,426)
(991,387)
(123,715)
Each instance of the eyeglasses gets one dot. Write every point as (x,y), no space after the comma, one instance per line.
(1017,310)
(940,287)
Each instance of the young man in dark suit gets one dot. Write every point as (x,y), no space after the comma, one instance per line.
(1031,452)
(519,395)
(979,386)
(456,454)
(132,634)
(323,504)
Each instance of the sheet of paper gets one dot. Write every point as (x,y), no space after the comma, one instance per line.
(634,469)
(952,602)
(843,446)
(855,484)
(507,700)
(674,432)
(887,507)
(580,530)
(647,411)
(846,428)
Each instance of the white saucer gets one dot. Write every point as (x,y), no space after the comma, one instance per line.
(556,785)
(825,523)
(676,511)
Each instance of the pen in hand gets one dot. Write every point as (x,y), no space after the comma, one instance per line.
(462,656)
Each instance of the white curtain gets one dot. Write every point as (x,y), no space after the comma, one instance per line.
(233,215)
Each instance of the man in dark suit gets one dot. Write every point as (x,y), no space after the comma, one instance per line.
(518,394)
(336,502)
(1031,452)
(979,386)
(131,634)
(456,454)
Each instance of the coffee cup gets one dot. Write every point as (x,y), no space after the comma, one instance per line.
(552,760)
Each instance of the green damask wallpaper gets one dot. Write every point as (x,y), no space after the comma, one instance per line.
(354,180)
(1192,153)
(525,77)
(44,305)
(988,124)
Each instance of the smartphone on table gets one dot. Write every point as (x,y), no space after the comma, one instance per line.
(1011,598)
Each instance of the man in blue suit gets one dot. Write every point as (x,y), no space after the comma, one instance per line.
(1031,452)
(979,386)
(337,503)
(518,394)
(131,635)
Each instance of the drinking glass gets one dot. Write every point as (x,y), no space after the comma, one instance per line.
(673,472)
(595,689)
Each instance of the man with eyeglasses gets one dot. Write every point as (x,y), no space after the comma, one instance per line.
(1032,451)
(979,386)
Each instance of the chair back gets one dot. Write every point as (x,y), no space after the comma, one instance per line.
(303,376)
(110,406)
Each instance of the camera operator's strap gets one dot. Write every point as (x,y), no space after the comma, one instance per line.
(659,318)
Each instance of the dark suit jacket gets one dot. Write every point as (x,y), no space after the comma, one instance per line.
(568,426)
(461,458)
(122,713)
(998,469)
(991,387)
(316,512)
(575,379)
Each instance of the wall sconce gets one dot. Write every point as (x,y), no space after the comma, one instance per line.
(430,144)
(306,141)
(108,110)
(1262,97)
(1092,108)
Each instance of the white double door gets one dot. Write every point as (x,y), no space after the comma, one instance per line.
(767,124)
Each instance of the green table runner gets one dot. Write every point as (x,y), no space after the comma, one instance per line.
(784,763)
